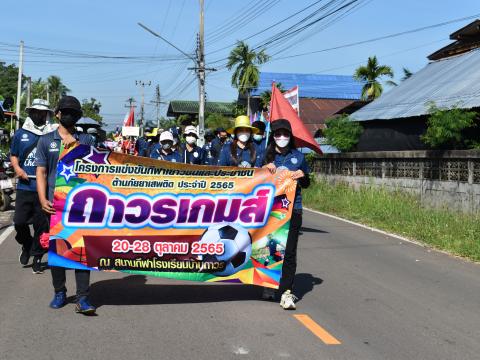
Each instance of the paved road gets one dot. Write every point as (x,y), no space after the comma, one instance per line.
(379,297)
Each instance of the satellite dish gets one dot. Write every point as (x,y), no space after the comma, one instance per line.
(8,103)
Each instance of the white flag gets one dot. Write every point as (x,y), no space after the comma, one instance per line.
(292,97)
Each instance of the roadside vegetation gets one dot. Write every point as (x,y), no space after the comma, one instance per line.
(399,213)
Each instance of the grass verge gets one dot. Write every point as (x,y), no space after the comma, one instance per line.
(399,213)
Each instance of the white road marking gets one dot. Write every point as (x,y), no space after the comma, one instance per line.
(6,233)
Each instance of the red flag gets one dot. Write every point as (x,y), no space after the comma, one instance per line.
(280,108)
(129,118)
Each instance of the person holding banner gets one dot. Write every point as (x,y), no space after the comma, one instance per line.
(281,155)
(49,148)
(192,154)
(165,150)
(241,151)
(208,151)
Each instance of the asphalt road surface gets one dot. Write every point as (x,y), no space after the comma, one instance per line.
(363,295)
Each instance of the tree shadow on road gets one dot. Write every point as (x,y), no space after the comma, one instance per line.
(134,290)
(304,283)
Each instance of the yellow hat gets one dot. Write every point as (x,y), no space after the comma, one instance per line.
(153,133)
(242,121)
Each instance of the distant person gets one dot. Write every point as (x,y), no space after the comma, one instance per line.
(141,145)
(241,152)
(282,155)
(27,204)
(68,111)
(93,132)
(209,157)
(259,139)
(165,150)
(192,154)
(221,138)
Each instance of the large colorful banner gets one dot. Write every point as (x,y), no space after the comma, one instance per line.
(118,212)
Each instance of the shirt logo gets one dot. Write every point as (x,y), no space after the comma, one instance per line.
(195,154)
(53,145)
(294,160)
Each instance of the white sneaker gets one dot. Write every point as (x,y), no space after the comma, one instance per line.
(287,301)
(268,294)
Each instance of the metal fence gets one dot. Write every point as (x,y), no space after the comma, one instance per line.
(458,166)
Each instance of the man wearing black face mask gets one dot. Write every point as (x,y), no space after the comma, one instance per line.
(27,205)
(69,111)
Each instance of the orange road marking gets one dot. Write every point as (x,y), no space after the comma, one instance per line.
(317,330)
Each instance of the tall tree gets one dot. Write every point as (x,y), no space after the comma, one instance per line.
(56,89)
(8,80)
(266,96)
(406,74)
(91,108)
(371,74)
(245,64)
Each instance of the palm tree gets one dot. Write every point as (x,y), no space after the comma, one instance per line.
(56,89)
(370,74)
(266,96)
(246,74)
(406,74)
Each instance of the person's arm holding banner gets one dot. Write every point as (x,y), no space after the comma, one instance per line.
(41,174)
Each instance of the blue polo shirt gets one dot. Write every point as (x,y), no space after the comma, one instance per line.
(156,153)
(243,156)
(142,146)
(209,156)
(293,160)
(260,147)
(48,152)
(24,147)
(192,157)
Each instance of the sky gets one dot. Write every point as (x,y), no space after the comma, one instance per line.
(73,34)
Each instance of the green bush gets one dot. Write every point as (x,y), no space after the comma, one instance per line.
(400,213)
(445,127)
(343,133)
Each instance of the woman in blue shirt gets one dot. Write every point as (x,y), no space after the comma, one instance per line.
(241,152)
(281,155)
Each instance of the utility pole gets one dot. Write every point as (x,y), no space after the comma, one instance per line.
(131,103)
(201,77)
(157,102)
(48,93)
(18,100)
(29,91)
(142,84)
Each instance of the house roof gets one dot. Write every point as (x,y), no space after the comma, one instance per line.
(178,107)
(453,81)
(314,112)
(313,85)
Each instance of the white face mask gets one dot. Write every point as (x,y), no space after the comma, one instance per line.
(191,140)
(243,136)
(282,141)
(257,137)
(166,146)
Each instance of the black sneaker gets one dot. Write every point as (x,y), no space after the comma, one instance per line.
(24,257)
(37,265)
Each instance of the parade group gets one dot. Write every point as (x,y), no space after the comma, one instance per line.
(37,145)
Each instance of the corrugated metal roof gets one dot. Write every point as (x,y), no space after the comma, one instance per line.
(447,82)
(313,85)
(191,107)
(314,112)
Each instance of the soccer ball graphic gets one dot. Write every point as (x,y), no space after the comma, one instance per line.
(237,243)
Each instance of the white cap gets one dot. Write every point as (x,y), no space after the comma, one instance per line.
(79,129)
(40,104)
(92,130)
(190,129)
(166,135)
